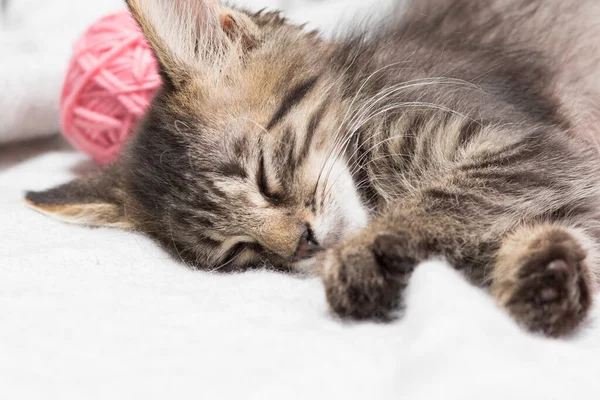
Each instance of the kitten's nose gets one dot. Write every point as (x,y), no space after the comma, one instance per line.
(307,246)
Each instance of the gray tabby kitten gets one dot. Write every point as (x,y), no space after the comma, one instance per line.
(460,128)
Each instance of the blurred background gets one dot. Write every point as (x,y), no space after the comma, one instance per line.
(36,39)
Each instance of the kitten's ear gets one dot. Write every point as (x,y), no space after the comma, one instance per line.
(96,200)
(189,34)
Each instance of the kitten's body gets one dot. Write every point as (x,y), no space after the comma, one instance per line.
(463,130)
(488,105)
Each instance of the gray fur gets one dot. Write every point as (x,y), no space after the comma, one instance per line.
(459,129)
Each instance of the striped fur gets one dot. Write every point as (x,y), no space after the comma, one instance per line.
(455,130)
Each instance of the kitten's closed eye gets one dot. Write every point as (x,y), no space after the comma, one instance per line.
(263,183)
(241,252)
(235,251)
(215,191)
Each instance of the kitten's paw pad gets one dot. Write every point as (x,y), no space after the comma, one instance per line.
(552,293)
(364,278)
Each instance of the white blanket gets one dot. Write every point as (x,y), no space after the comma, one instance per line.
(36,37)
(105,314)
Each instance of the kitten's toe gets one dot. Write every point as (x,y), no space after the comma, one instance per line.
(365,278)
(552,293)
(392,257)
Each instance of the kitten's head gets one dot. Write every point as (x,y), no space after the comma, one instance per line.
(238,160)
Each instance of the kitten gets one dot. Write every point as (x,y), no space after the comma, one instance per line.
(458,128)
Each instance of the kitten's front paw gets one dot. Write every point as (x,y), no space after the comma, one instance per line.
(552,292)
(364,276)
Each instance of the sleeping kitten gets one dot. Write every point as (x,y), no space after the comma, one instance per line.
(462,129)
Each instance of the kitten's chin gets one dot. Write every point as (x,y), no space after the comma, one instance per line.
(344,213)
(350,217)
(309,266)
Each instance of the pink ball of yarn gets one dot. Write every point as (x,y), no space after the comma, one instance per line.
(109,85)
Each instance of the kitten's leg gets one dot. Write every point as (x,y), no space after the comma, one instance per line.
(364,275)
(542,278)
(539,274)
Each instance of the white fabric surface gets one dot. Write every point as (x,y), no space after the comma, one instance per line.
(105,314)
(36,37)
(98,313)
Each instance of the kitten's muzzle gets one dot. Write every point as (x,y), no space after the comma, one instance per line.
(307,246)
